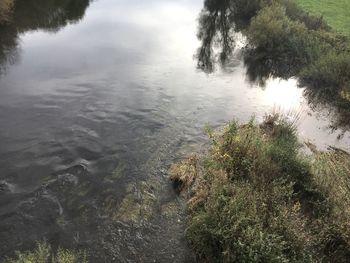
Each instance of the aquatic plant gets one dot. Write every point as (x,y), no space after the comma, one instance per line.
(44,254)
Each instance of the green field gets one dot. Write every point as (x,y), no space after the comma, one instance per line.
(335,12)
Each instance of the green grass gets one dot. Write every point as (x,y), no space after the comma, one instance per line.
(336,13)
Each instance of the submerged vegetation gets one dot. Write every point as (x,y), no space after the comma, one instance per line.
(283,41)
(256,198)
(44,254)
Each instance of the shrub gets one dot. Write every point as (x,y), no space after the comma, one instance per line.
(331,72)
(281,38)
(320,58)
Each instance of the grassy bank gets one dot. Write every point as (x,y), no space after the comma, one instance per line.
(255,198)
(336,13)
(283,40)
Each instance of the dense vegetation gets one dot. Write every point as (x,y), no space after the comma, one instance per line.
(336,13)
(256,198)
(44,254)
(283,41)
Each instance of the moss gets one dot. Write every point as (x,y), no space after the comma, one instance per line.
(119,171)
(170,210)
(138,204)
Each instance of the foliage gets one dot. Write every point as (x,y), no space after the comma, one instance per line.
(331,71)
(319,58)
(331,171)
(281,38)
(255,198)
(44,254)
(283,41)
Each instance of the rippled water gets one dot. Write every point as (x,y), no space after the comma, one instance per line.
(97,99)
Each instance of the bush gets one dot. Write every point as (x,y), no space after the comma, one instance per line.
(331,72)
(281,38)
(285,40)
(320,58)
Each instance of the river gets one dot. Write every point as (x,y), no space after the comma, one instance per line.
(97,99)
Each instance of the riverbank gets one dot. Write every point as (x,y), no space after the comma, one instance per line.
(336,13)
(282,41)
(256,198)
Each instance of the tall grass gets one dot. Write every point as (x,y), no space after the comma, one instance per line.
(255,198)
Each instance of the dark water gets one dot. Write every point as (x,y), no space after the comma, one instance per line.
(97,99)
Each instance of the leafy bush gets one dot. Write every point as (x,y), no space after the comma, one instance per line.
(320,58)
(285,40)
(281,38)
(331,72)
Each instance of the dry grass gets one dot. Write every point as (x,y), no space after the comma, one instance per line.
(184,173)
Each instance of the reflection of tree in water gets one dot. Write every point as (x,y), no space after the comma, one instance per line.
(28,15)
(218,24)
(339,110)
(49,15)
(215,27)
